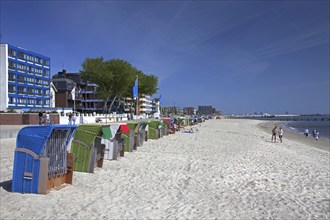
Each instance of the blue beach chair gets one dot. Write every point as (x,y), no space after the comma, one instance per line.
(41,160)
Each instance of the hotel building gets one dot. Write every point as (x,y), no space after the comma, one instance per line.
(205,109)
(24,79)
(145,105)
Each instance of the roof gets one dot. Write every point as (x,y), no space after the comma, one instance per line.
(63,84)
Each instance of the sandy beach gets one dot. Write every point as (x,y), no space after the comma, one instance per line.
(228,169)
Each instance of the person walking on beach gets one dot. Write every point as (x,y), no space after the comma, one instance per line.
(280,135)
(70,118)
(40,118)
(274,132)
(47,118)
(74,118)
(317,135)
(306,132)
(314,133)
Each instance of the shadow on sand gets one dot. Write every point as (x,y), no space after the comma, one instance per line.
(6,185)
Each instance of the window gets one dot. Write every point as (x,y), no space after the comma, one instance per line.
(30,101)
(12,100)
(11,89)
(46,62)
(21,90)
(21,68)
(38,82)
(12,65)
(30,69)
(12,53)
(30,80)
(21,101)
(38,92)
(21,55)
(12,77)
(38,102)
(46,102)
(46,92)
(30,58)
(38,71)
(38,60)
(21,78)
(46,73)
(30,91)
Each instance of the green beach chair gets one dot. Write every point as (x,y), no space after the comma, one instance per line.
(153,132)
(87,149)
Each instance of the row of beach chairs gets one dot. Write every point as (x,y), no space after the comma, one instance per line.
(47,156)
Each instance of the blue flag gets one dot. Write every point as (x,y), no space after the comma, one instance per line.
(135,88)
(160,100)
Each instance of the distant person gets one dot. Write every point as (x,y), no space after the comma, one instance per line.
(314,133)
(274,132)
(280,134)
(317,136)
(306,132)
(47,118)
(40,118)
(70,118)
(74,118)
(81,118)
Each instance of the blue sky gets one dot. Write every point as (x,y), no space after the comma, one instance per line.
(238,56)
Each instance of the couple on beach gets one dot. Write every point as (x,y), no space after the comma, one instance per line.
(274,133)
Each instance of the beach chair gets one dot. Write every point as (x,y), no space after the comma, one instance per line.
(128,136)
(141,133)
(87,148)
(153,131)
(170,126)
(111,144)
(136,135)
(165,126)
(161,129)
(41,160)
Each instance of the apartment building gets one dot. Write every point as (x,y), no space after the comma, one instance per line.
(80,95)
(145,105)
(189,111)
(205,109)
(24,79)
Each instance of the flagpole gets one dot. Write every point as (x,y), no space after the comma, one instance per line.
(136,85)
(73,95)
(137,97)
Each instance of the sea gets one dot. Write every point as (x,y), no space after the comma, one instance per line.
(323,127)
(299,123)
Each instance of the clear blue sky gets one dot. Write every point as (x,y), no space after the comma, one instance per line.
(238,56)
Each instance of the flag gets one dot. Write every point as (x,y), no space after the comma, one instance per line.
(73,93)
(135,88)
(160,100)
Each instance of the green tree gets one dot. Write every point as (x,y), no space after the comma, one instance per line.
(95,70)
(147,84)
(115,79)
(122,78)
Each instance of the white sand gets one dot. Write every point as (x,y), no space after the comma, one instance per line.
(229,169)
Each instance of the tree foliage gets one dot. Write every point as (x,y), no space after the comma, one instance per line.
(115,78)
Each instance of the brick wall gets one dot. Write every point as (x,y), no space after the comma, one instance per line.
(24,119)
